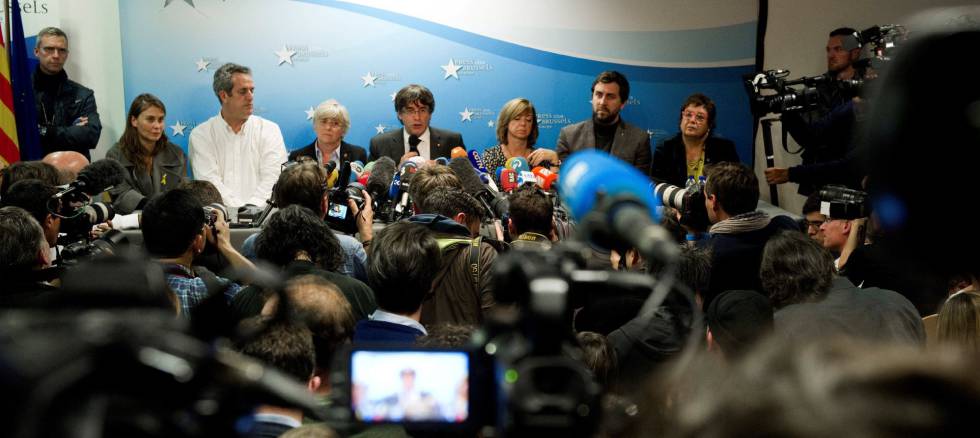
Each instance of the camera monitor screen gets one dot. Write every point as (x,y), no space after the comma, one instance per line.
(410,386)
(337,211)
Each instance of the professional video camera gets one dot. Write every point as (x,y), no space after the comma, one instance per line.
(784,95)
(518,376)
(839,202)
(795,95)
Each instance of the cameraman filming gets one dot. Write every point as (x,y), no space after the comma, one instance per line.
(826,133)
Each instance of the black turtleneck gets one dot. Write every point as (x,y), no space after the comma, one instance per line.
(604,135)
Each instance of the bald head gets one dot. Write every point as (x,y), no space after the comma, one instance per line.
(68,163)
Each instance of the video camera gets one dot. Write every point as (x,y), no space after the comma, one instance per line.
(839,202)
(803,94)
(518,375)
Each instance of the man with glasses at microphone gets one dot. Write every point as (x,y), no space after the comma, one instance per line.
(414,105)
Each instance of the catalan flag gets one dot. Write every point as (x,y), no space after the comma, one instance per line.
(9,150)
(16,72)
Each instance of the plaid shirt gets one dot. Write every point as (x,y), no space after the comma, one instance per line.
(190,288)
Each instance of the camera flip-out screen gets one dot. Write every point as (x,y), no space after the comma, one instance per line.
(410,386)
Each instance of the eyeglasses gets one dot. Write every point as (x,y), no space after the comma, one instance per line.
(700,117)
(415,111)
(50,50)
(814,224)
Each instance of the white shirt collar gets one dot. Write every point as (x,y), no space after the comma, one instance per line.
(424,145)
(228,126)
(381,315)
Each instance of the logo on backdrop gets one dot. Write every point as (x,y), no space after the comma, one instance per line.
(552,120)
(633,101)
(657,135)
(372,79)
(476,114)
(465,67)
(290,53)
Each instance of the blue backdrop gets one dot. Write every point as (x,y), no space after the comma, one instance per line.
(304,52)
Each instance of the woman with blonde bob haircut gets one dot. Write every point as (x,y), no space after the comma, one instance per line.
(517,132)
(330,123)
(959,321)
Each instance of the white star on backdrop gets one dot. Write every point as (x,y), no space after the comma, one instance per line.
(490,123)
(380,128)
(178,128)
(309,113)
(285,55)
(650,133)
(202,65)
(168,2)
(393,96)
(451,69)
(465,115)
(369,79)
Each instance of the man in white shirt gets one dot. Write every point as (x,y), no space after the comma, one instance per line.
(240,153)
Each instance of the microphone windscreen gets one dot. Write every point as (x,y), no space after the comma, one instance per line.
(477,161)
(519,164)
(101,174)
(442,160)
(457,152)
(589,173)
(467,175)
(419,161)
(382,172)
(332,178)
(508,180)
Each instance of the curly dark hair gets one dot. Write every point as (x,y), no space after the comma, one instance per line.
(795,268)
(294,229)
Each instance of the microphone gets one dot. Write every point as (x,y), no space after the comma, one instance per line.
(519,164)
(413,143)
(457,152)
(494,203)
(419,161)
(442,160)
(477,161)
(546,178)
(356,168)
(525,176)
(382,172)
(614,204)
(508,180)
(96,178)
(403,208)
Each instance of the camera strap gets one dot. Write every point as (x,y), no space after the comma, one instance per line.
(473,262)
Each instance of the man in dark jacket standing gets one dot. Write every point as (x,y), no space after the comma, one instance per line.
(67,117)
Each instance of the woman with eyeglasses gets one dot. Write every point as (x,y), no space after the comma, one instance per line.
(153,164)
(685,156)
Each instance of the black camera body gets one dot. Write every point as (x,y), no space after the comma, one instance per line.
(339,215)
(771,92)
(688,201)
(517,375)
(82,250)
(839,202)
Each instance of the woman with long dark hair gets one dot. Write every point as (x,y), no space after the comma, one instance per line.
(153,164)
